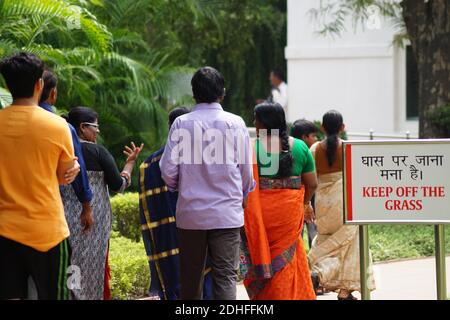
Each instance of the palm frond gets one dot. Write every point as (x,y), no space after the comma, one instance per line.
(74,16)
(97,33)
(7,46)
(126,38)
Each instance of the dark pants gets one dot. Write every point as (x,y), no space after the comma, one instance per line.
(48,270)
(222,246)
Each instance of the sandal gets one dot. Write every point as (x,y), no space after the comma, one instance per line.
(318,289)
(349,297)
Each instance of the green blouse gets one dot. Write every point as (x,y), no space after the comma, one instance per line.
(303,159)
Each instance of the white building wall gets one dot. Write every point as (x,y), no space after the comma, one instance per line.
(360,73)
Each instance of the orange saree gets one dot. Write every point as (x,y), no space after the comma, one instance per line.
(273,259)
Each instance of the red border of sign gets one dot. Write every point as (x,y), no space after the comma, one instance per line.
(348,169)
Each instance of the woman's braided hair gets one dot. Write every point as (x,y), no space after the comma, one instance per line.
(272,117)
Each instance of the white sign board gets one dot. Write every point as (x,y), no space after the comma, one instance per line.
(404,181)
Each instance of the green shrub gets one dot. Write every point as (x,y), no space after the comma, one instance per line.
(391,242)
(126,219)
(130,274)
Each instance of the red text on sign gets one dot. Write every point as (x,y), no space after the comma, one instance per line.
(403,205)
(377,192)
(438,192)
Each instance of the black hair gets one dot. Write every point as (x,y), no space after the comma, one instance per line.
(279,74)
(21,72)
(302,128)
(175,113)
(208,85)
(332,122)
(50,82)
(271,116)
(78,115)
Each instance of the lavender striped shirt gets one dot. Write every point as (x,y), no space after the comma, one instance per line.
(210,166)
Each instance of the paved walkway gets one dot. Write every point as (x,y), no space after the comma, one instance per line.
(402,280)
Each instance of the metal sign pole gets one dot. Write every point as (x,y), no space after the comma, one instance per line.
(441,283)
(364,260)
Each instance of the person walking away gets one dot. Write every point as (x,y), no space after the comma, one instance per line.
(211,192)
(80,185)
(157,206)
(279,92)
(90,247)
(307,132)
(334,257)
(274,259)
(37,152)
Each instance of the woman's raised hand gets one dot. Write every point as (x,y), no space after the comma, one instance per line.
(133,152)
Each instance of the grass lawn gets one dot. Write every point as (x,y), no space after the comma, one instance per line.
(389,242)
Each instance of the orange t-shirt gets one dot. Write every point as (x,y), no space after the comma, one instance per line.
(33,144)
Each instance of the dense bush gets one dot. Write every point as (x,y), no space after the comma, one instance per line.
(126,219)
(130,274)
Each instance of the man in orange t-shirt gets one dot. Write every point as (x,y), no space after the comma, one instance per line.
(36,151)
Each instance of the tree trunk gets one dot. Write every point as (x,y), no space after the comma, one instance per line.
(428,26)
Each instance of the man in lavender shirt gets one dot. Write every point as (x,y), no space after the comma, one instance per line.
(207,159)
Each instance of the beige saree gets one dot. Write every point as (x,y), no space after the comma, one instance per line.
(335,251)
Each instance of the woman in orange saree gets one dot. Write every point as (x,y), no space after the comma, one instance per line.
(273,259)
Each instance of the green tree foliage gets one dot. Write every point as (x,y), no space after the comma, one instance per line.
(244,39)
(128,90)
(131,60)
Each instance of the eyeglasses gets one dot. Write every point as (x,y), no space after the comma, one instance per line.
(94,125)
